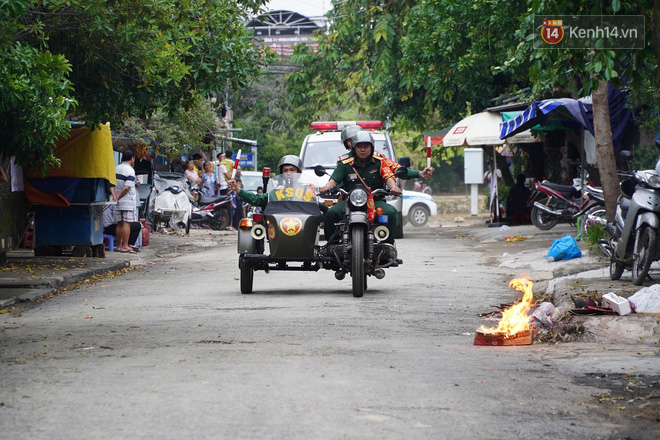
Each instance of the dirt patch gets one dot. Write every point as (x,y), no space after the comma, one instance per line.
(630,401)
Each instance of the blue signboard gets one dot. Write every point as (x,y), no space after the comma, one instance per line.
(247,160)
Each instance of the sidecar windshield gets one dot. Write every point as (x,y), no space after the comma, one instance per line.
(292,193)
(291,187)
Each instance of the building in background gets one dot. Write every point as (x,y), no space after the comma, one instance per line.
(283,30)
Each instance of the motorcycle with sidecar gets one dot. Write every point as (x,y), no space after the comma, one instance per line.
(286,235)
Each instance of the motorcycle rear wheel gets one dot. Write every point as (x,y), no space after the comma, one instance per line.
(221,220)
(247,276)
(616,270)
(357,262)
(597,212)
(542,219)
(642,261)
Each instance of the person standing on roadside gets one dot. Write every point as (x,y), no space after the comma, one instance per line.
(221,174)
(126,200)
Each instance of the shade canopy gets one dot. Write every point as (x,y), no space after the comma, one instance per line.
(567,113)
(483,129)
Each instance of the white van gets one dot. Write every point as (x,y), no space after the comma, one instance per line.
(323,147)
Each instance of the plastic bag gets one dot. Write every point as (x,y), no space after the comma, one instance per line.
(564,248)
(546,315)
(646,300)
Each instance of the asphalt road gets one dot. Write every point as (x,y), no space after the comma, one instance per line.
(174,350)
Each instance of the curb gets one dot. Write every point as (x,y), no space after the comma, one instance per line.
(40,287)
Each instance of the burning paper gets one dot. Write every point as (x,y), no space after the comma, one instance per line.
(514,325)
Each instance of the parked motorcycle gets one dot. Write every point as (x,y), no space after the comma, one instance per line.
(290,222)
(420,186)
(212,211)
(553,203)
(634,234)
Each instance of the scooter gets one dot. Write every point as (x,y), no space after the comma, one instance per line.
(633,242)
(554,203)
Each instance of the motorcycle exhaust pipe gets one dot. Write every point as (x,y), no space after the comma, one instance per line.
(340,275)
(379,273)
(381,233)
(544,208)
(258,232)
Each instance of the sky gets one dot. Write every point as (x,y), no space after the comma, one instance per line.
(308,8)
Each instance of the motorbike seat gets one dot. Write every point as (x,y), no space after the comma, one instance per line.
(207,200)
(566,190)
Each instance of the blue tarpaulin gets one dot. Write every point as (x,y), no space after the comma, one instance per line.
(570,113)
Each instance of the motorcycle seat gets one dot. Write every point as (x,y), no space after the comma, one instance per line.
(566,190)
(207,200)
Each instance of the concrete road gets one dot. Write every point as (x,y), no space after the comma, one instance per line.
(174,350)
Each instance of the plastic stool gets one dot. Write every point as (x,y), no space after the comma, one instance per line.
(109,242)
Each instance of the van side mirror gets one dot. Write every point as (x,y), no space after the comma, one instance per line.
(404,162)
(401,172)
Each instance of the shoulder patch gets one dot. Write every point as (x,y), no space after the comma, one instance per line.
(344,156)
(348,160)
(379,157)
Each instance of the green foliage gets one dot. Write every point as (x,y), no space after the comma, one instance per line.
(414,62)
(173,135)
(34,97)
(123,59)
(264,114)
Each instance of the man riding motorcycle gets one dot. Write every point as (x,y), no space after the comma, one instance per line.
(361,166)
(349,132)
(290,167)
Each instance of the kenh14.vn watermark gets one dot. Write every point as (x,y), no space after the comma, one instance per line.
(589,32)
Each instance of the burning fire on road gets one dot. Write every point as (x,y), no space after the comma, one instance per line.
(514,328)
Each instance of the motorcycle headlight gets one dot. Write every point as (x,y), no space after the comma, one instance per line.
(358,198)
(654,180)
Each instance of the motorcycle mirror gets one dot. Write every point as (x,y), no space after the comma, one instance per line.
(404,162)
(319,170)
(401,172)
(626,155)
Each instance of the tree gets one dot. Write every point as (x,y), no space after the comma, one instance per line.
(412,62)
(590,71)
(113,59)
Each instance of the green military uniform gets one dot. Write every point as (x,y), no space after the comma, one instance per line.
(254,199)
(374,174)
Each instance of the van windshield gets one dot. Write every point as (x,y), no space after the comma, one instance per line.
(326,153)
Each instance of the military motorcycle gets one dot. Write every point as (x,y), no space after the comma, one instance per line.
(289,226)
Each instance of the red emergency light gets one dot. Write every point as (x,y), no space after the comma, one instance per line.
(340,125)
(370,125)
(266,172)
(323,126)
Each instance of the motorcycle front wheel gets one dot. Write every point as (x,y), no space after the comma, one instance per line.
(357,261)
(542,219)
(247,276)
(644,258)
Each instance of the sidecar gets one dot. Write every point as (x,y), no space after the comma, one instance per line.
(285,236)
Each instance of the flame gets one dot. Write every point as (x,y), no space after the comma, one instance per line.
(515,319)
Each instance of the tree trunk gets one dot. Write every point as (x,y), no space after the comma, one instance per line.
(605,149)
(655,27)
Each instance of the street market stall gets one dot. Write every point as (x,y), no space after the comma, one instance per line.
(68,201)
